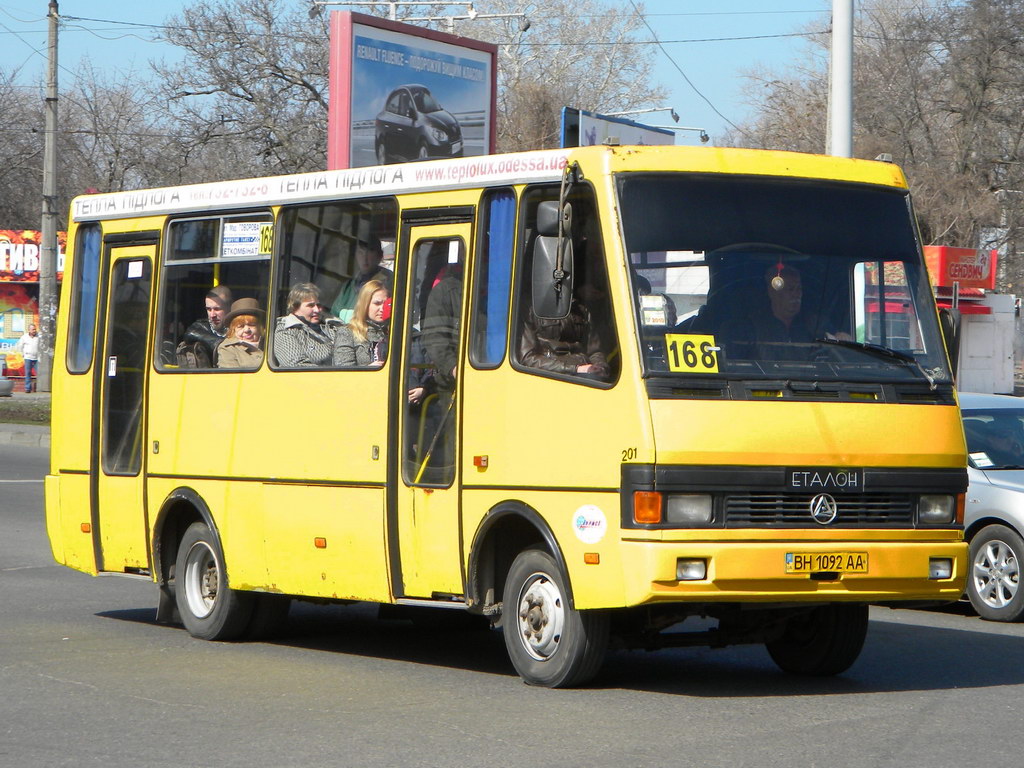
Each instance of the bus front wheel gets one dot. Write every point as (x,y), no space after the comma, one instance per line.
(550,643)
(209,608)
(824,641)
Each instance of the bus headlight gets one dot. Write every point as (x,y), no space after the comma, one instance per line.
(936,508)
(691,569)
(689,509)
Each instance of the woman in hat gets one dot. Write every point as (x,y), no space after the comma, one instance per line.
(243,344)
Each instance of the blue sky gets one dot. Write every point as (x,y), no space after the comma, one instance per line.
(709,44)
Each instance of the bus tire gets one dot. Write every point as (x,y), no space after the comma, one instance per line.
(993,584)
(550,643)
(209,608)
(822,642)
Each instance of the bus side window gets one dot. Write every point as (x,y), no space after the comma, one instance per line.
(492,280)
(82,328)
(583,344)
(338,248)
(209,264)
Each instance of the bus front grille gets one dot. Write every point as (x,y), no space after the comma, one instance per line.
(755,509)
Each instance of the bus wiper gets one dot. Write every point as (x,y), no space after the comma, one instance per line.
(879,351)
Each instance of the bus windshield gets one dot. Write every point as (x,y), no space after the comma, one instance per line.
(760,278)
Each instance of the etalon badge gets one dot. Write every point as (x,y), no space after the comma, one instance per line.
(824,508)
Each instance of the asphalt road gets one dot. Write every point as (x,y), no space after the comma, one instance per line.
(87,679)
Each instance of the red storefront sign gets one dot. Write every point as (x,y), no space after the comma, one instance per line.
(969,267)
(19,255)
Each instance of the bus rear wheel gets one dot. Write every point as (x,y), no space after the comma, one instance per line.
(825,641)
(550,643)
(209,608)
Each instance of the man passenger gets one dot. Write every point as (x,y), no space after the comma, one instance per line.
(369,253)
(205,334)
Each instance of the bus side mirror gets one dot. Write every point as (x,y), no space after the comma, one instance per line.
(949,321)
(552,286)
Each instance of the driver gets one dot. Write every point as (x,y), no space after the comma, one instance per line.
(785,296)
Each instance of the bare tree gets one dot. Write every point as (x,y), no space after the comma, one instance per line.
(940,87)
(576,53)
(112,138)
(251,95)
(21,154)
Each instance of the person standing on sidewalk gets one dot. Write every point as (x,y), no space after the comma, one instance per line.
(28,346)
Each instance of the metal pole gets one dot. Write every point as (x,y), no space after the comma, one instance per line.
(841,85)
(48,254)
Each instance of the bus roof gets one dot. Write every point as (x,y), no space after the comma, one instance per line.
(465,173)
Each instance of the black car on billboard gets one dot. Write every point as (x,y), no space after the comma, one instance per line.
(413,126)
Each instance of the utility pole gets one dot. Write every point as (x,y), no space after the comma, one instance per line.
(48,254)
(841,85)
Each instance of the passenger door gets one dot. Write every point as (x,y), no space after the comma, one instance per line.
(119,523)
(424,467)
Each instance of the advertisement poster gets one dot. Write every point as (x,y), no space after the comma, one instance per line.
(416,95)
(19,289)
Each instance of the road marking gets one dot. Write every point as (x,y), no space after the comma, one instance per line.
(27,568)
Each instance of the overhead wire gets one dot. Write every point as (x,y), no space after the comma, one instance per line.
(679,69)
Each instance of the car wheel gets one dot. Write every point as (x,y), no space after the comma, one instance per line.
(824,641)
(422,153)
(549,642)
(382,154)
(993,584)
(209,608)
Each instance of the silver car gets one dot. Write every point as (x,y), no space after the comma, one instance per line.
(994,512)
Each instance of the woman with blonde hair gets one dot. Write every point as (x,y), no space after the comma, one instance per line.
(243,344)
(362,343)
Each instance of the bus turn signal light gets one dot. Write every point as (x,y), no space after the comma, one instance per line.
(646,507)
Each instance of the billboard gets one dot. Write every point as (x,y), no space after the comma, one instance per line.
(586,129)
(399,92)
(19,276)
(19,255)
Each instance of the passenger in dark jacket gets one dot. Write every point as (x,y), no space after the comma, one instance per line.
(567,345)
(441,327)
(207,333)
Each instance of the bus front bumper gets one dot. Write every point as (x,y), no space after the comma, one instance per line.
(793,571)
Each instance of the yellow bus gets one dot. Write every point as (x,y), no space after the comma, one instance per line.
(625,397)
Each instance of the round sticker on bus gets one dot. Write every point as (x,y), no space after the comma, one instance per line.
(590,524)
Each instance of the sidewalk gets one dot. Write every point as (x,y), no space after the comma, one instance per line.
(22,434)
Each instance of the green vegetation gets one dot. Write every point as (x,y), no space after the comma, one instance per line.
(24,410)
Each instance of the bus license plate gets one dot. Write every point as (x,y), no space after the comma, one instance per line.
(834,562)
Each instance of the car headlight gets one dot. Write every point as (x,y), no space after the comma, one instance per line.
(438,134)
(936,508)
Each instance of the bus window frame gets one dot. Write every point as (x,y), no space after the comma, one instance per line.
(164,263)
(278,294)
(80,272)
(521,281)
(482,243)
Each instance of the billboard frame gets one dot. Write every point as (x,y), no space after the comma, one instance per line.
(340,86)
